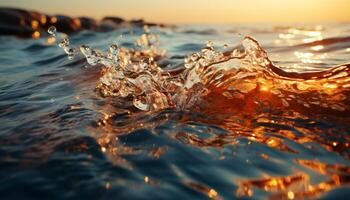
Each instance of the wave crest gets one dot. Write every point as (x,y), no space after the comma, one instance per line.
(237,77)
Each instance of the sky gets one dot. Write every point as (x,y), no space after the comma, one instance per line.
(197,11)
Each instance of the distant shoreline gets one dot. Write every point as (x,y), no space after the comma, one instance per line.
(29,23)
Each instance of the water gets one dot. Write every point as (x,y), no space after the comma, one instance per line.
(187,112)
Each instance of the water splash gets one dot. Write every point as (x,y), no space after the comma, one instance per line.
(242,91)
(236,76)
(64,44)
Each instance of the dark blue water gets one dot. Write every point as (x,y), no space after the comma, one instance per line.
(60,139)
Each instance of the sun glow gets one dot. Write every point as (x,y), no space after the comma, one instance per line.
(199,11)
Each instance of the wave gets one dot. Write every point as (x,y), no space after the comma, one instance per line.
(165,118)
(244,77)
(320,45)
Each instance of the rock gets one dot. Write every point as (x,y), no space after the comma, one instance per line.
(141,23)
(155,24)
(16,30)
(25,23)
(111,23)
(20,22)
(138,22)
(116,20)
(107,26)
(67,24)
(88,23)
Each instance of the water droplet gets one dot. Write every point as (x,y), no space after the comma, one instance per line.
(209,44)
(52,30)
(146,29)
(138,103)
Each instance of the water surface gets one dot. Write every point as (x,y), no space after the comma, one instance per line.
(261,122)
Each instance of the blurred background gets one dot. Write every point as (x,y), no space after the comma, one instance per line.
(197,11)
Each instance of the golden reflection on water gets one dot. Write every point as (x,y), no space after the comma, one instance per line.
(51,40)
(210,192)
(250,107)
(35,24)
(36,35)
(240,113)
(53,20)
(296,186)
(43,19)
(311,33)
(297,35)
(299,185)
(317,47)
(307,57)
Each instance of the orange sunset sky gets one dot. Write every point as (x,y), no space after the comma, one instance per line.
(198,11)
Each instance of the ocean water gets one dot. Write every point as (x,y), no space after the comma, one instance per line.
(186,112)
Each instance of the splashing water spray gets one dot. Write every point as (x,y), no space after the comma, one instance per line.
(135,74)
(126,73)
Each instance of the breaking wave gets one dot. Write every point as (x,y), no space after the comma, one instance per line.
(243,77)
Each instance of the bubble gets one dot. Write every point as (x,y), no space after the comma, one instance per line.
(146,29)
(52,30)
(113,48)
(86,50)
(64,43)
(141,105)
(113,53)
(209,44)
